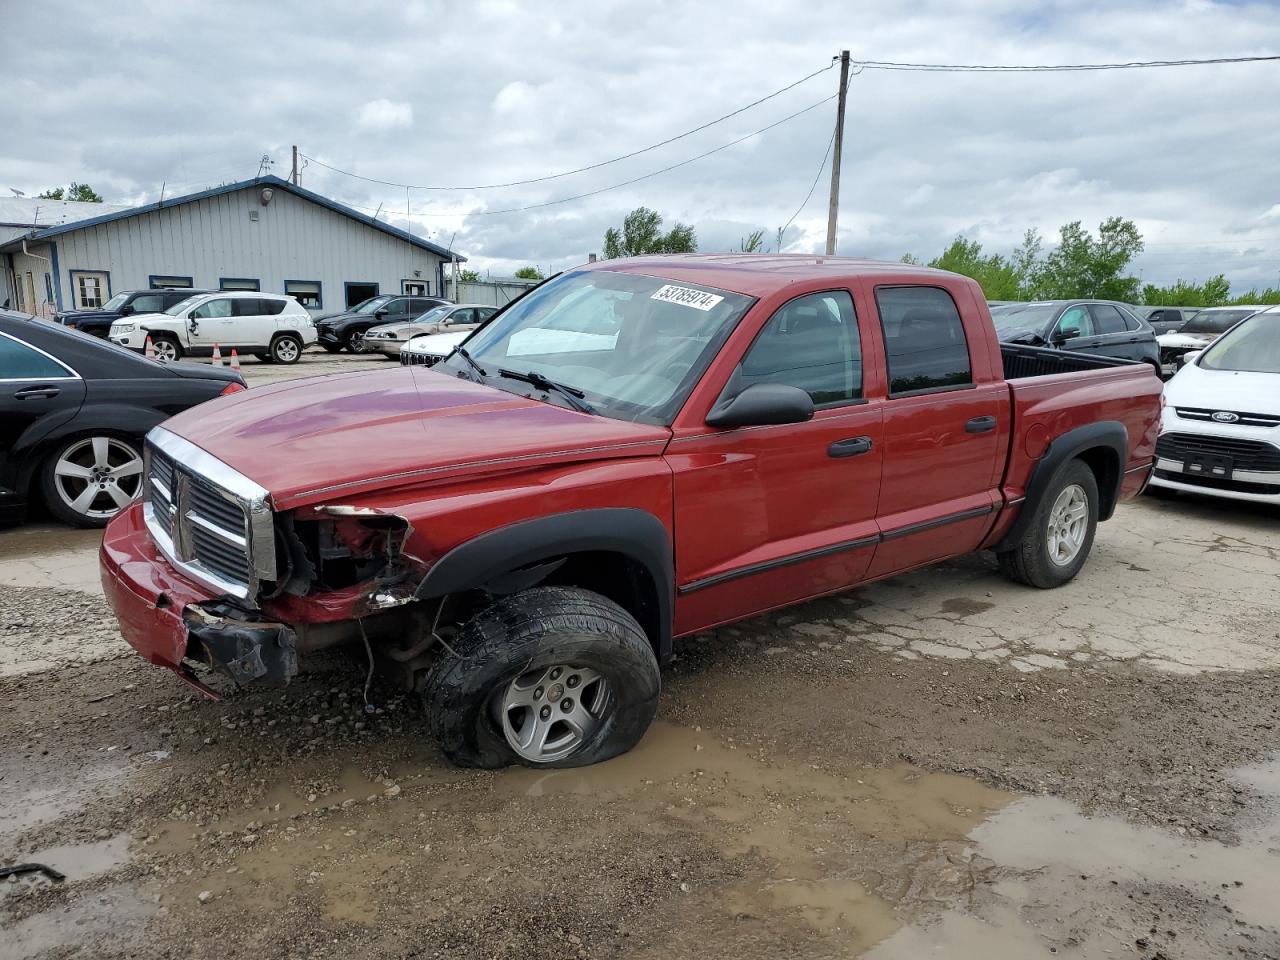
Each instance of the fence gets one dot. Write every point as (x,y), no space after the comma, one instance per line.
(490,293)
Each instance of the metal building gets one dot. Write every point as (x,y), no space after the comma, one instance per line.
(262,234)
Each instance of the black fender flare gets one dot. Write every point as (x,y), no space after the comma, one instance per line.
(1108,435)
(119,418)
(636,534)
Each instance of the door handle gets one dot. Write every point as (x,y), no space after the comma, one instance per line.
(36,393)
(849,448)
(980,425)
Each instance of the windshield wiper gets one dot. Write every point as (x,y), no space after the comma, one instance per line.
(571,394)
(462,352)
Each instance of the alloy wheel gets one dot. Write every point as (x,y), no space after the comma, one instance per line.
(1068,524)
(550,712)
(97,477)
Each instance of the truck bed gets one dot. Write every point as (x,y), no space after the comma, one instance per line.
(1022,361)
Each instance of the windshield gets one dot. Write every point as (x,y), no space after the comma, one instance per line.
(1252,347)
(431,316)
(370,305)
(633,345)
(1012,319)
(1216,321)
(116,302)
(183,305)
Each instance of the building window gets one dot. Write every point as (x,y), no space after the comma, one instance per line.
(91,288)
(239,283)
(162,282)
(415,288)
(306,292)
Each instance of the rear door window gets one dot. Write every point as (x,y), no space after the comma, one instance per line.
(20,362)
(153,303)
(1107,319)
(811,343)
(924,340)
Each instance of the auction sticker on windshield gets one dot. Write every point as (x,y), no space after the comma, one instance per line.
(687,297)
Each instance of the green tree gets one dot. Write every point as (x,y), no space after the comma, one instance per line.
(1084,266)
(528,273)
(642,234)
(1214,292)
(998,277)
(77,191)
(468,276)
(1259,297)
(752,243)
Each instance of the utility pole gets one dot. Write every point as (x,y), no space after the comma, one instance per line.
(293,176)
(833,210)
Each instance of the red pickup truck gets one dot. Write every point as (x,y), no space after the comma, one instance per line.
(634,451)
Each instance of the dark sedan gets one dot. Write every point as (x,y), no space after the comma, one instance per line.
(73,412)
(98,322)
(1099,327)
(341,331)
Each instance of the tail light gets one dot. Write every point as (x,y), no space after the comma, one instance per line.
(231,388)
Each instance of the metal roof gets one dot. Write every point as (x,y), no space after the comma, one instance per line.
(274,182)
(37,212)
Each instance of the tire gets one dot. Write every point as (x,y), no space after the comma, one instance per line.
(506,650)
(167,348)
(332,347)
(286,349)
(77,465)
(1038,559)
(355,343)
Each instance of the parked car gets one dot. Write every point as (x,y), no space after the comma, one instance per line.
(98,322)
(345,331)
(1198,332)
(1165,319)
(1100,327)
(1220,432)
(430,350)
(389,337)
(73,413)
(272,326)
(523,534)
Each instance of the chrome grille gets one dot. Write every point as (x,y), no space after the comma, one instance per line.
(209,520)
(1244,419)
(419,359)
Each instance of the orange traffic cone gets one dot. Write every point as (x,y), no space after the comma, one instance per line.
(149,349)
(217,355)
(235,359)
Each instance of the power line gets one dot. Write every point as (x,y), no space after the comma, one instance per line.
(808,196)
(646,176)
(1050,68)
(593,166)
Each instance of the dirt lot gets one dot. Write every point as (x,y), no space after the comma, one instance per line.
(943,764)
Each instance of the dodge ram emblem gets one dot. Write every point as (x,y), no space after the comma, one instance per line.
(1226,416)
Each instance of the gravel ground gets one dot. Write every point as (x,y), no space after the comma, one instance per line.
(942,764)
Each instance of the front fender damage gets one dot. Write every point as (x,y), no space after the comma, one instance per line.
(235,643)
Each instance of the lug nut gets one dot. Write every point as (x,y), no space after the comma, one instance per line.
(572,682)
(555,674)
(544,713)
(566,704)
(537,694)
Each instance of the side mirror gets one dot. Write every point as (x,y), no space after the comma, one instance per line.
(1066,333)
(1188,357)
(761,404)
(380,313)
(126,310)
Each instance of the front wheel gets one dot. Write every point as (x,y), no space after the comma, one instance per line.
(549,677)
(1058,539)
(356,344)
(166,349)
(286,349)
(88,480)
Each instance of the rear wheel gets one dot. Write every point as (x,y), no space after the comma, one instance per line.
(549,677)
(286,349)
(166,348)
(1057,541)
(88,480)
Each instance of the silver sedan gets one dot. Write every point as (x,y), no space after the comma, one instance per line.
(388,338)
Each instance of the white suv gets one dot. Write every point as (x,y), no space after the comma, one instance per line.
(272,326)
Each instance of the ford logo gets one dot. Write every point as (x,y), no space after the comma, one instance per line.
(1226,416)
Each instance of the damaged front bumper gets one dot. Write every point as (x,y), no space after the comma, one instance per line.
(171,621)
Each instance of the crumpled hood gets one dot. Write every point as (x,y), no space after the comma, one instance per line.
(332,438)
(1193,341)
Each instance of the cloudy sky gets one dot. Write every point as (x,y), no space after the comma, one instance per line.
(127,96)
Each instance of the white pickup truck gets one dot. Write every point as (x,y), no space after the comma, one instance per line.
(273,327)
